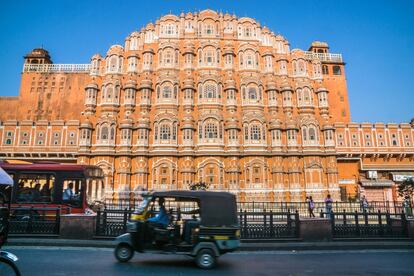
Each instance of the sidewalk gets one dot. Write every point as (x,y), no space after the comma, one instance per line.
(268,246)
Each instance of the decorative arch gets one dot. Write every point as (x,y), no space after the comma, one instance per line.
(211,171)
(164,174)
(256,174)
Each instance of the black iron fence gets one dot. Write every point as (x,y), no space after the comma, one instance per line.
(282,207)
(302,207)
(367,224)
(268,225)
(35,220)
(253,225)
(112,223)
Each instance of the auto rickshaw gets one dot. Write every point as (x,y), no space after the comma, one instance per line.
(7,259)
(201,224)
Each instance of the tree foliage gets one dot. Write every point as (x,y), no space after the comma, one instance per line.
(406,188)
(198,186)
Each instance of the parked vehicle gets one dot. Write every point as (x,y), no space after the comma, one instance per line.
(49,184)
(201,224)
(7,260)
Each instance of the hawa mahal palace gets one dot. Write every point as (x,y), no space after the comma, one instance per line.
(206,97)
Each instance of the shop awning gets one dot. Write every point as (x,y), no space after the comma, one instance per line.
(376,183)
(401,176)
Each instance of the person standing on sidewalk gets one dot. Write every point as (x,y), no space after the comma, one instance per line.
(407,206)
(311,206)
(328,206)
(364,203)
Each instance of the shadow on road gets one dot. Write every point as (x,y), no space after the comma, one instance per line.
(174,263)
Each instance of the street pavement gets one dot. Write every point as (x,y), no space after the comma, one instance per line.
(100,261)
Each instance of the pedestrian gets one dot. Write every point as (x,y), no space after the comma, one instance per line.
(364,203)
(311,206)
(328,206)
(407,206)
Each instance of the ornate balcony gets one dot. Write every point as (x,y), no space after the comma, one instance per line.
(324,57)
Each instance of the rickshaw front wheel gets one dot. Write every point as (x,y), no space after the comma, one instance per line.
(123,252)
(205,259)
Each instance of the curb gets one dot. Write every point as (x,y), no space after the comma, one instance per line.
(273,246)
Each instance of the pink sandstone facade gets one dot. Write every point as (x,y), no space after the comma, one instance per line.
(206,97)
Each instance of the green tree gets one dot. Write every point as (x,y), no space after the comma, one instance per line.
(198,186)
(406,188)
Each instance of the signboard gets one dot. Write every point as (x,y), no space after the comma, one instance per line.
(401,177)
(346,181)
(372,174)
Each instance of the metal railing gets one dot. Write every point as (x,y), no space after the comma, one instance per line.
(266,225)
(302,207)
(324,56)
(35,220)
(367,224)
(57,68)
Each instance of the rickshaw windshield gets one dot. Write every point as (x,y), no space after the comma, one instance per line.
(142,205)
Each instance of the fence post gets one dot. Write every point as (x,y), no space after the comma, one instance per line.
(389,226)
(381,231)
(57,221)
(296,223)
(245,224)
(272,230)
(98,221)
(357,223)
(125,219)
(105,213)
(344,217)
(404,224)
(264,223)
(29,228)
(366,218)
(289,220)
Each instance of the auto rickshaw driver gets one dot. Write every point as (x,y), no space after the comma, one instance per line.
(161,219)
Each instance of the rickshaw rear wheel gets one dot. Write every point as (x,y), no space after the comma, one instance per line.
(206,259)
(123,252)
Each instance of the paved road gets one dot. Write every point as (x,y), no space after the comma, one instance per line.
(100,261)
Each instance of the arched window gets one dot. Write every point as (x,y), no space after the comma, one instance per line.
(336,70)
(304,134)
(210,131)
(104,133)
(168,57)
(301,67)
(312,134)
(209,57)
(249,60)
(210,90)
(255,132)
(166,92)
(325,69)
(252,94)
(109,92)
(112,132)
(165,132)
(113,64)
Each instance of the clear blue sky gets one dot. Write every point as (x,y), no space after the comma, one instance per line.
(376,39)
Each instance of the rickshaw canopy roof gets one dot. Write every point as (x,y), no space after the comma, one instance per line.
(216,208)
(5,179)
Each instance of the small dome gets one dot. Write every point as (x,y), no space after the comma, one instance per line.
(115,49)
